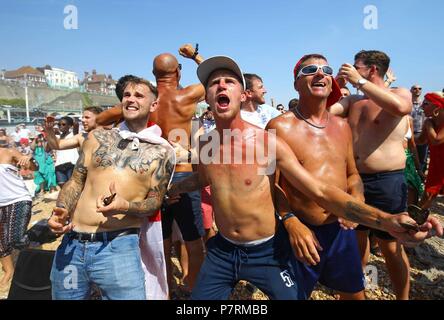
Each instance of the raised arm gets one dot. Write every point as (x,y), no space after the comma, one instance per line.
(187,51)
(196,92)
(341,107)
(397,102)
(110,116)
(55,143)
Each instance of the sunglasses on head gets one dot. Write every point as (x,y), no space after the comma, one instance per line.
(313,68)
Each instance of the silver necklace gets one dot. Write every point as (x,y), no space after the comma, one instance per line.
(296,109)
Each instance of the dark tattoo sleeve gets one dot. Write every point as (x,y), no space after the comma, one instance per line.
(356,212)
(192,183)
(159,184)
(72,190)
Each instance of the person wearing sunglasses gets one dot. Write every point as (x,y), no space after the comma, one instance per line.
(419,117)
(378,120)
(65,159)
(325,248)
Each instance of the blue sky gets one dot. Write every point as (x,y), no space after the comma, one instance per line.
(266,37)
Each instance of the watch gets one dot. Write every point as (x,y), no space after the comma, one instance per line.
(361,82)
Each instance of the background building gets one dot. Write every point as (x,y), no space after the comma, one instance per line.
(60,78)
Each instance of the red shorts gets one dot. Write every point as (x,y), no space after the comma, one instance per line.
(207,208)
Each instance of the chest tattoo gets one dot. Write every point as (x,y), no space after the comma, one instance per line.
(113,151)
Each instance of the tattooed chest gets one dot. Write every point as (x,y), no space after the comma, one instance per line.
(138,160)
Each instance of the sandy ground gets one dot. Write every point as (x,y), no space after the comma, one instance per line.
(427,267)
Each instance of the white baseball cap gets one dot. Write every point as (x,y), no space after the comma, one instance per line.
(208,66)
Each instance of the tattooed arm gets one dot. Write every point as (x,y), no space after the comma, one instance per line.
(344,205)
(159,184)
(71,191)
(70,194)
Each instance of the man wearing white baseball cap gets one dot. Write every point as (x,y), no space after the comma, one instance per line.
(252,243)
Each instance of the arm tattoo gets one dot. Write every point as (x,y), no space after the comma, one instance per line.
(189,184)
(159,183)
(72,190)
(355,212)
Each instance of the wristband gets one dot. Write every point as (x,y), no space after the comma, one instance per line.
(196,52)
(288,216)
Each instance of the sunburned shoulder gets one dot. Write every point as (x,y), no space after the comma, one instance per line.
(281,121)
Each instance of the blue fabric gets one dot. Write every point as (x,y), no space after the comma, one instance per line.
(187,213)
(386,191)
(340,266)
(114,266)
(267,266)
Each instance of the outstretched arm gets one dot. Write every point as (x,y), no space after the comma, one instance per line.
(344,205)
(110,116)
(27,162)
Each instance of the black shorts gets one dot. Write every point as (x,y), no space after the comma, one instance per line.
(386,191)
(187,213)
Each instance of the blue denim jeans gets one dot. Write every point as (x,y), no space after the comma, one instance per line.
(114,266)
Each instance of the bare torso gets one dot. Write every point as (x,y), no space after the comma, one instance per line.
(107,161)
(322,152)
(377,137)
(175,112)
(242,198)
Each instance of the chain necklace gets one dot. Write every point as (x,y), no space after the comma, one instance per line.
(296,109)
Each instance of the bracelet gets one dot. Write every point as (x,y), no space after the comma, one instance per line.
(189,156)
(287,216)
(196,52)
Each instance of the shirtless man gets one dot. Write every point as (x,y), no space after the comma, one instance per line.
(323,145)
(251,243)
(89,124)
(15,206)
(378,122)
(102,245)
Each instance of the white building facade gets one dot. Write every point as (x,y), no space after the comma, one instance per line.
(60,78)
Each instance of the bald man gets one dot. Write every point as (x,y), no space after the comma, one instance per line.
(177,107)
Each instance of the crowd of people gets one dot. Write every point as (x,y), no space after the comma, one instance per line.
(282,199)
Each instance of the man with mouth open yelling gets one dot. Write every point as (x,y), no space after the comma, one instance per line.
(323,145)
(101,244)
(252,243)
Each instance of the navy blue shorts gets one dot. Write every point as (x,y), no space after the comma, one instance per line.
(64,172)
(386,191)
(266,265)
(187,213)
(340,266)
